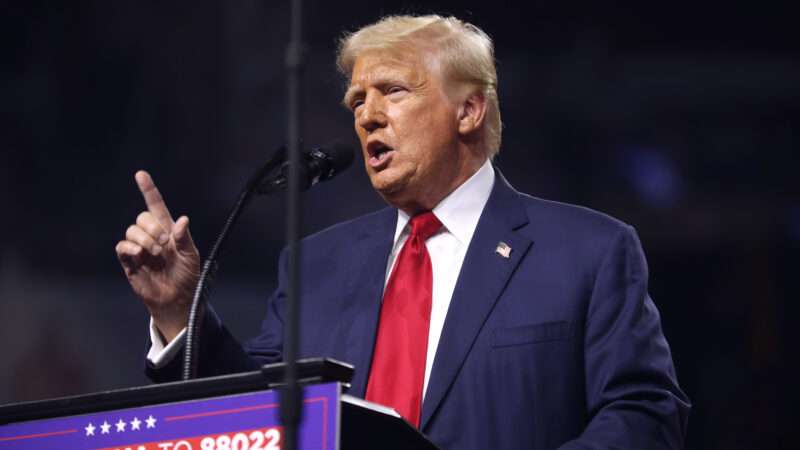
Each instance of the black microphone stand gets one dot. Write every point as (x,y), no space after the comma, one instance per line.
(291,395)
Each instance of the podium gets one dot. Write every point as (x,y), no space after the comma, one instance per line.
(230,412)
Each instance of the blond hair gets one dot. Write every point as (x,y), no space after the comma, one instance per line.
(465,51)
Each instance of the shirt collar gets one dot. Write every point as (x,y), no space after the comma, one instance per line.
(459,212)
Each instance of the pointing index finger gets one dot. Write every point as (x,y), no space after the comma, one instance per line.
(153,200)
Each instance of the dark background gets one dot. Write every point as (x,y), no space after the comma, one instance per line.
(678,118)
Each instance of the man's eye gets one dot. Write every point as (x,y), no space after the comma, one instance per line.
(395,89)
(356,104)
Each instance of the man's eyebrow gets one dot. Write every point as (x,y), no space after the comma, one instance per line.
(378,80)
(351,92)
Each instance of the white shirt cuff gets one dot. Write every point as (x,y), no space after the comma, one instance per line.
(159,354)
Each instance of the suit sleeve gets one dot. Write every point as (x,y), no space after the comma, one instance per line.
(632,394)
(220,353)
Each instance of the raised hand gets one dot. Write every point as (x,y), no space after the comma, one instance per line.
(160,260)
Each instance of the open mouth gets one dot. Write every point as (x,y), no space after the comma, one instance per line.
(378,153)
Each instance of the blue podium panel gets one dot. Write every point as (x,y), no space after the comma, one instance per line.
(235,422)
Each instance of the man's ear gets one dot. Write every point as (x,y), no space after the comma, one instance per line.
(472,113)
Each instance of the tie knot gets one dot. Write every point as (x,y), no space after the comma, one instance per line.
(425,225)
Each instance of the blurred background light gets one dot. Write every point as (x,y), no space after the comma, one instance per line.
(654,176)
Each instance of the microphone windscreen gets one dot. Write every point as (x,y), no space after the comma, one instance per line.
(339,155)
(332,159)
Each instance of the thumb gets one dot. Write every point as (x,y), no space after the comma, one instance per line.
(183,239)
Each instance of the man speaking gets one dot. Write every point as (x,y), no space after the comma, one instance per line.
(487,318)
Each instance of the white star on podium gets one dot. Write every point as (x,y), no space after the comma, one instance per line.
(90,429)
(151,421)
(135,423)
(105,427)
(121,426)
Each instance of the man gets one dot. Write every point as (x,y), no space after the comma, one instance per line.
(488,318)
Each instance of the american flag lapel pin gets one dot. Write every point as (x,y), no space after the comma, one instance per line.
(503,249)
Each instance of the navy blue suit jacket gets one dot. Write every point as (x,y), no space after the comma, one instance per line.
(556,346)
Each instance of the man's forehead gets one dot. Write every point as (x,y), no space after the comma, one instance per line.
(380,64)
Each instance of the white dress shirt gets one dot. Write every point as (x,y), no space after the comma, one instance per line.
(458,212)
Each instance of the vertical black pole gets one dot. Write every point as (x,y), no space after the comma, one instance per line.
(291,396)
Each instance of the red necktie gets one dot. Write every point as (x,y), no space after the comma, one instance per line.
(398,364)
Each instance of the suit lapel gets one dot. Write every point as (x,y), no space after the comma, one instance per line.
(374,242)
(484,275)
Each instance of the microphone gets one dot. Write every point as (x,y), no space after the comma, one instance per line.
(318,164)
(326,163)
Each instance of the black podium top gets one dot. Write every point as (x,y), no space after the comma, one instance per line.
(312,370)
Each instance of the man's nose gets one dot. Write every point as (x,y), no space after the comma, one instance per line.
(372,115)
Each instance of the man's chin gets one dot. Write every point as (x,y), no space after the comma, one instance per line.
(388,190)
(386,181)
(394,186)
(392,191)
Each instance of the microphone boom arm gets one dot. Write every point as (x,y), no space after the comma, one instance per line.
(210,264)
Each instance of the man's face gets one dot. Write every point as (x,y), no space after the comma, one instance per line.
(408,127)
